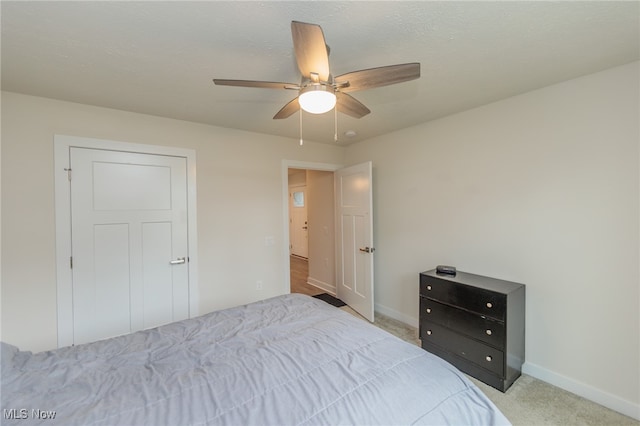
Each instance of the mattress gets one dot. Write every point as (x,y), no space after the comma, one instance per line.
(288,360)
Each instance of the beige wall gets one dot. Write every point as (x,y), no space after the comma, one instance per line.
(542,189)
(321,214)
(239,203)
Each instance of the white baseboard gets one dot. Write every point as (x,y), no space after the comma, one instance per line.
(331,289)
(392,313)
(598,396)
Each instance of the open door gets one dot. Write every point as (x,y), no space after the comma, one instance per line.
(354,238)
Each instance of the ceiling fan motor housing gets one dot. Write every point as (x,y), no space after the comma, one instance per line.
(317,98)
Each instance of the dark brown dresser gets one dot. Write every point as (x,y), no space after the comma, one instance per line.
(476,323)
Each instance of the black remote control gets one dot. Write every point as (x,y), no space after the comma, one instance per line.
(445,270)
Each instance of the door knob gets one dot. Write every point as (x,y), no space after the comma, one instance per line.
(178,261)
(367,249)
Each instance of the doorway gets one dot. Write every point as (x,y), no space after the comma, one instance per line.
(311,231)
(320,256)
(349,239)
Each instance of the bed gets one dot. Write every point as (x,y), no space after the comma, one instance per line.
(287,360)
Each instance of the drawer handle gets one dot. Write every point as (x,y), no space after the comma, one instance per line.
(488,358)
(429,288)
(428,332)
(428,310)
(489,305)
(488,332)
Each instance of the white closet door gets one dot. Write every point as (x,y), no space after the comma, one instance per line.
(129,239)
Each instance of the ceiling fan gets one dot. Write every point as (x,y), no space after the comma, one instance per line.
(319,91)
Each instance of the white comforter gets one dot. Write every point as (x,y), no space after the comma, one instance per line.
(284,361)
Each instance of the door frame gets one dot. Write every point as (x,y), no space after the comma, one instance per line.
(286,165)
(62,146)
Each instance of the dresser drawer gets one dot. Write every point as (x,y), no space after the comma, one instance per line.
(474,325)
(469,367)
(474,299)
(479,353)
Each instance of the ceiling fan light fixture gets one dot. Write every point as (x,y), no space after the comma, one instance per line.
(317,99)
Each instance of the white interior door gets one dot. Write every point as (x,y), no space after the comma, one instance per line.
(129,242)
(299,229)
(354,238)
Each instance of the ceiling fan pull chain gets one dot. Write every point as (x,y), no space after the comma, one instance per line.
(335,121)
(301,141)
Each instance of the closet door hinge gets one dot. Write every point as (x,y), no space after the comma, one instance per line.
(68,173)
(71,262)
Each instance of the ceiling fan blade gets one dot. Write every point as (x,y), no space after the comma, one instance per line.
(310,49)
(259,84)
(286,111)
(349,105)
(378,77)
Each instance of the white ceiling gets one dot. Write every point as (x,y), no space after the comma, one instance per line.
(159,58)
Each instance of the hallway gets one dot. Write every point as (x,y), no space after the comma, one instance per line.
(299,274)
